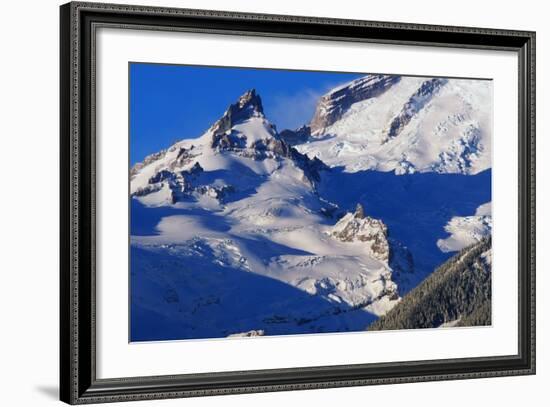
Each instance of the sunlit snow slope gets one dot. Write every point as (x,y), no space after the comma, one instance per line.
(404,124)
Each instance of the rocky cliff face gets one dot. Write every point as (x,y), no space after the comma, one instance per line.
(359,227)
(333,105)
(249,105)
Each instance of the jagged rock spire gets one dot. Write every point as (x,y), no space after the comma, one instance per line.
(359,227)
(359,212)
(250,99)
(248,105)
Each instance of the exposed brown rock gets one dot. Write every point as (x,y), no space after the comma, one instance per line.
(333,105)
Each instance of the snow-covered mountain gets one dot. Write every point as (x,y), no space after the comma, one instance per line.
(242,142)
(231,223)
(246,231)
(404,124)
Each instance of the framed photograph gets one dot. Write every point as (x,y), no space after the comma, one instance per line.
(255,203)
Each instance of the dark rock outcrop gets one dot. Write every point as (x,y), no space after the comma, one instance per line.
(359,212)
(311,167)
(415,103)
(184,157)
(359,227)
(179,182)
(295,137)
(228,141)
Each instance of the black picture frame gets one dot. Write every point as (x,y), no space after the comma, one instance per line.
(78,382)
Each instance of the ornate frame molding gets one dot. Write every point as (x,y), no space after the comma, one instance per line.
(79,20)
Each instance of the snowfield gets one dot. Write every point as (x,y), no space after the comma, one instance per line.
(467,230)
(236,233)
(449,130)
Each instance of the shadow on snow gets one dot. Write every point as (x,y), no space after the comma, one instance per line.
(193,297)
(415,207)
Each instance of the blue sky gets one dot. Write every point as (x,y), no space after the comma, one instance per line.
(173,102)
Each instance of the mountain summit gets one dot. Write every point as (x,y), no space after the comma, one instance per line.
(186,169)
(405,125)
(248,105)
